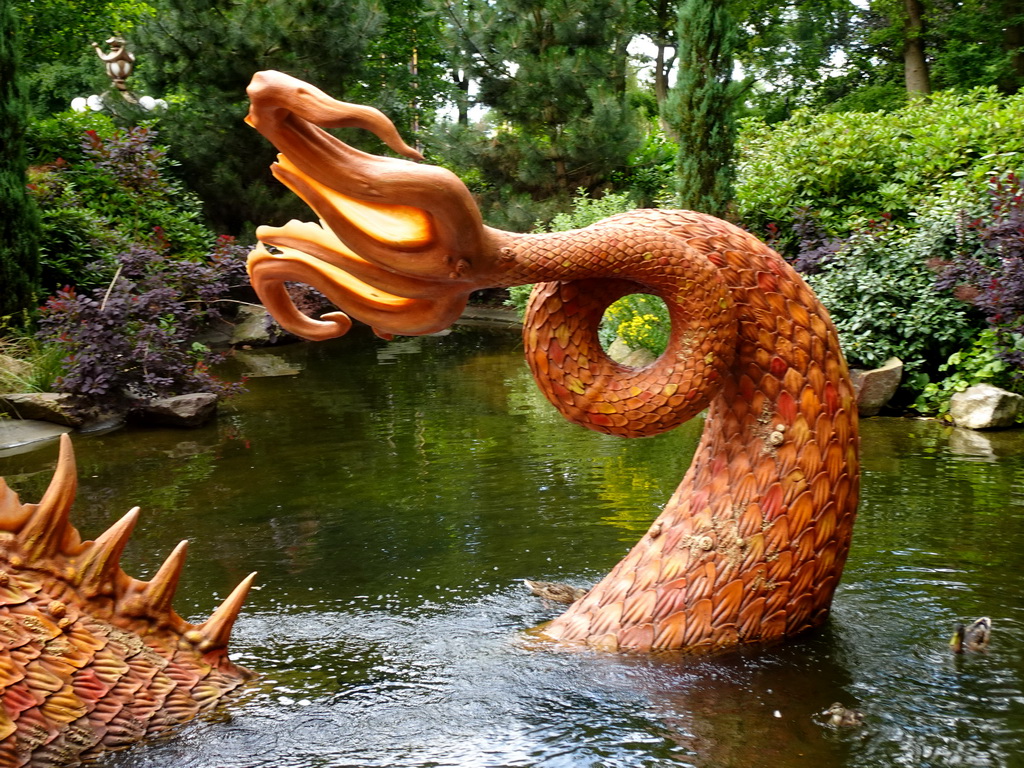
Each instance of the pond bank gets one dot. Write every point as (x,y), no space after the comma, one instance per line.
(18,435)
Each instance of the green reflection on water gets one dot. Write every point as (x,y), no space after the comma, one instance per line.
(391,496)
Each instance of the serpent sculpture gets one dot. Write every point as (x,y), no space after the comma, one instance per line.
(751,546)
(90,658)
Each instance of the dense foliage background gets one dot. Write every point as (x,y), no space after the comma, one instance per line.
(877,144)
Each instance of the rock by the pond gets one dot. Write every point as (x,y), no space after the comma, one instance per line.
(876,387)
(23,435)
(482,316)
(624,354)
(264,365)
(984,406)
(255,327)
(41,406)
(99,422)
(180,411)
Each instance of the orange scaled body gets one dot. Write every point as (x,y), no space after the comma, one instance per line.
(751,546)
(90,658)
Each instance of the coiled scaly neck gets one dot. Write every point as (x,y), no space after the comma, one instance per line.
(581,273)
(751,545)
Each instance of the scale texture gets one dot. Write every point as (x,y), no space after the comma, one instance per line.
(90,658)
(751,546)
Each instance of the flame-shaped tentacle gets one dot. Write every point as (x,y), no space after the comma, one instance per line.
(269,273)
(319,241)
(383,311)
(90,658)
(292,114)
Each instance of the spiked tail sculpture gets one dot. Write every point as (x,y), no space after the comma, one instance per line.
(90,658)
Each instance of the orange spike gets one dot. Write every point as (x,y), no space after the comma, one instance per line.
(158,594)
(46,532)
(100,560)
(217,629)
(11,510)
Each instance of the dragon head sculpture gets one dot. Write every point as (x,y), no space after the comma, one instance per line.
(400,246)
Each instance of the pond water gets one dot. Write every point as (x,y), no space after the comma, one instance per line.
(392,496)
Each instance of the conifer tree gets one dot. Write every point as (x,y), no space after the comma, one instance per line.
(553,74)
(201,55)
(699,109)
(19,220)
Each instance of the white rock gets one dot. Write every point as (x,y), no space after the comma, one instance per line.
(984,406)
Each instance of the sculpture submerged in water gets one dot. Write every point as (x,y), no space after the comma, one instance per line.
(752,544)
(90,658)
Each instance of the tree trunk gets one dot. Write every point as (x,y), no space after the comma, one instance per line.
(660,76)
(915,66)
(461,94)
(663,62)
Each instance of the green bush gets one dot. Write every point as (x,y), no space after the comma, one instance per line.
(848,168)
(983,362)
(59,137)
(883,299)
(115,190)
(874,207)
(650,174)
(588,210)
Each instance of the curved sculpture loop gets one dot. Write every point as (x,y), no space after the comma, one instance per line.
(90,658)
(751,546)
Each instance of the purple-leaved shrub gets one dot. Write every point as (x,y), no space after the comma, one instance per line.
(133,339)
(132,157)
(815,247)
(990,276)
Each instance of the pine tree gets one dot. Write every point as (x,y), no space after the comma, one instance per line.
(201,55)
(699,109)
(19,221)
(553,74)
